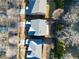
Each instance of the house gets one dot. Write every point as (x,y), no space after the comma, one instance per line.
(39,27)
(34,50)
(2,52)
(3,5)
(36,7)
(3,24)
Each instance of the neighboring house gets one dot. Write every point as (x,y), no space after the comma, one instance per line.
(3,14)
(34,49)
(13,24)
(2,51)
(13,13)
(3,24)
(13,40)
(12,3)
(11,51)
(39,27)
(3,29)
(36,7)
(3,5)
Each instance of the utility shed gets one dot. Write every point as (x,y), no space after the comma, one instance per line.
(39,27)
(36,7)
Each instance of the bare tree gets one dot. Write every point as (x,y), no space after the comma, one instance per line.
(71,33)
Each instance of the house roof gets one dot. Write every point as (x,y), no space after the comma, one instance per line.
(39,7)
(34,46)
(36,7)
(39,27)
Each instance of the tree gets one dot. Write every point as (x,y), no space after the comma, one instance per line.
(72,31)
(59,49)
(57,13)
(59,4)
